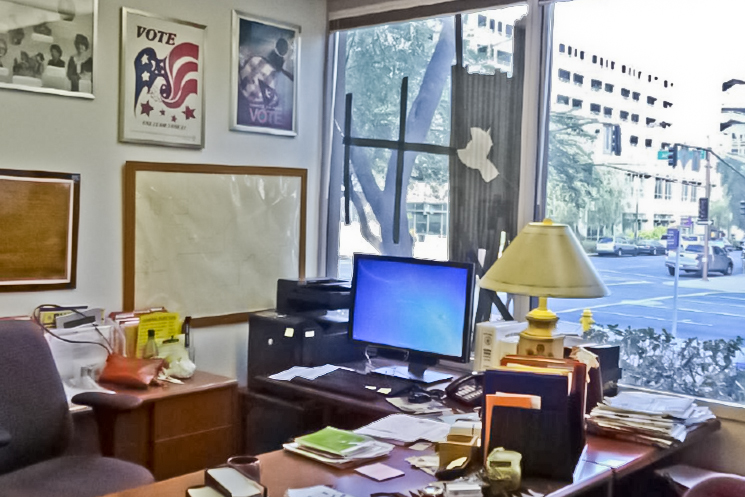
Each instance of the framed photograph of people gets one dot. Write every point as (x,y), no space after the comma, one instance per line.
(161,91)
(47,46)
(265,67)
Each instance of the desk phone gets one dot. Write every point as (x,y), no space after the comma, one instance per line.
(468,389)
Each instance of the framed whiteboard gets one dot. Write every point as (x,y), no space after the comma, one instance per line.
(211,241)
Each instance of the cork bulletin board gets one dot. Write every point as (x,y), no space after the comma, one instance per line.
(210,241)
(38,230)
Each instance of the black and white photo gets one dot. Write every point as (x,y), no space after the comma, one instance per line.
(47,46)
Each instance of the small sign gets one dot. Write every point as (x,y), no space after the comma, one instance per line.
(662,154)
(686,221)
(704,222)
(673,239)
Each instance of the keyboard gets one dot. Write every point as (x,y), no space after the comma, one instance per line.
(354,384)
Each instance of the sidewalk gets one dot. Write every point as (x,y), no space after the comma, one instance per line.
(716,283)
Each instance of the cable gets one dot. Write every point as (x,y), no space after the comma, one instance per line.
(37,319)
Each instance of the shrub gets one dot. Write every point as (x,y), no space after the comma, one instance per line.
(702,368)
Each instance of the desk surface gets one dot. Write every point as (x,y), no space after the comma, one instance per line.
(603,460)
(201,381)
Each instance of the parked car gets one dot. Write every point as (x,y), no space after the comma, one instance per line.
(650,247)
(692,260)
(618,246)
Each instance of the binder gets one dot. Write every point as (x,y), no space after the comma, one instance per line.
(550,439)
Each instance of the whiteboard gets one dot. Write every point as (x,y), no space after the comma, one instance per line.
(211,241)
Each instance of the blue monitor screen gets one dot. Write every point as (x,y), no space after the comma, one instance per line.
(418,305)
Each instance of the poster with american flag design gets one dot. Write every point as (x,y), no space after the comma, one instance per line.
(162,83)
(264,75)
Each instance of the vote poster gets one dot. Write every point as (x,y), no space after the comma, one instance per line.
(162,81)
(264,76)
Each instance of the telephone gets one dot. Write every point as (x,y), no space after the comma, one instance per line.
(468,389)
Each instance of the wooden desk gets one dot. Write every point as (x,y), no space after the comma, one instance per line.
(603,462)
(282,470)
(180,428)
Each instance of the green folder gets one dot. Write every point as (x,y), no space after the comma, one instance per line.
(333,441)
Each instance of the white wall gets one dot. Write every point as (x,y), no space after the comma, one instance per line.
(53,133)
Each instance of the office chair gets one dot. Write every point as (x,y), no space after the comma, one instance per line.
(36,426)
(718,486)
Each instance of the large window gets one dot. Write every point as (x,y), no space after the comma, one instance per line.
(374,62)
(696,348)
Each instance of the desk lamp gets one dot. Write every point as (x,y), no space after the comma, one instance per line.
(544,260)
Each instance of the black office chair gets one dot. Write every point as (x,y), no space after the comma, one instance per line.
(36,426)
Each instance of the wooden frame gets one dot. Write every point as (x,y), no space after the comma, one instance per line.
(48,46)
(191,229)
(161,95)
(39,226)
(265,65)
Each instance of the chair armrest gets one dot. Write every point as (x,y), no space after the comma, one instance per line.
(106,408)
(4,438)
(117,402)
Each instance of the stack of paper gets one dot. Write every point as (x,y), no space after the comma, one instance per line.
(407,429)
(653,419)
(339,448)
(303,372)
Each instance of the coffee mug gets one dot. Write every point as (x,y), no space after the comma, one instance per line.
(249,466)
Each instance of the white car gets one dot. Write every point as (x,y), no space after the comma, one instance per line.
(618,246)
(692,260)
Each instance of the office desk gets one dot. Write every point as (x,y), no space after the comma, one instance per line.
(180,428)
(603,463)
(281,470)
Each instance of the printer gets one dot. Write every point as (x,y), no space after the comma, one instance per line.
(309,327)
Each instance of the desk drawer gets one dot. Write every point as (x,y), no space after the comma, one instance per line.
(186,454)
(194,413)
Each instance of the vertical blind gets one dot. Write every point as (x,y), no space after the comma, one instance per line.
(349,14)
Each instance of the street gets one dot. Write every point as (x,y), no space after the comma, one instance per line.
(642,296)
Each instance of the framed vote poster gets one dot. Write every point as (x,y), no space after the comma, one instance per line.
(162,81)
(265,56)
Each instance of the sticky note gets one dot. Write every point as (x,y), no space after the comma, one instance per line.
(310,334)
(289,332)
(371,387)
(384,391)
(420,446)
(379,472)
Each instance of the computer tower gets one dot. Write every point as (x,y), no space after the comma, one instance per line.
(275,342)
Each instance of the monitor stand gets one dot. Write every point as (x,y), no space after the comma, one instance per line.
(416,371)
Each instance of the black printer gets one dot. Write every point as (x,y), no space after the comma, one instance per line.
(308,327)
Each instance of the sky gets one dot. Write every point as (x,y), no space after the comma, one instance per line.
(694,43)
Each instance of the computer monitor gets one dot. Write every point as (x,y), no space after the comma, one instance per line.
(422,307)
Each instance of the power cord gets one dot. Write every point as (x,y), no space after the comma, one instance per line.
(36,316)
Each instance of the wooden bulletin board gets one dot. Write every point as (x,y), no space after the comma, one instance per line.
(38,230)
(211,241)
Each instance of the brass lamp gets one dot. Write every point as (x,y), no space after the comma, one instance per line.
(544,260)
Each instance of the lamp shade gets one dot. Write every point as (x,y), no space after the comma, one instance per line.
(545,260)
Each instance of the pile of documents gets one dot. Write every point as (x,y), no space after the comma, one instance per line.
(652,419)
(406,428)
(339,448)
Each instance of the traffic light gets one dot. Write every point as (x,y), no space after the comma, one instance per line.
(672,156)
(616,140)
(742,207)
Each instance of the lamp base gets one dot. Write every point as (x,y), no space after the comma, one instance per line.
(529,344)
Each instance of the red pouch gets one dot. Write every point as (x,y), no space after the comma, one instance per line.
(129,371)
